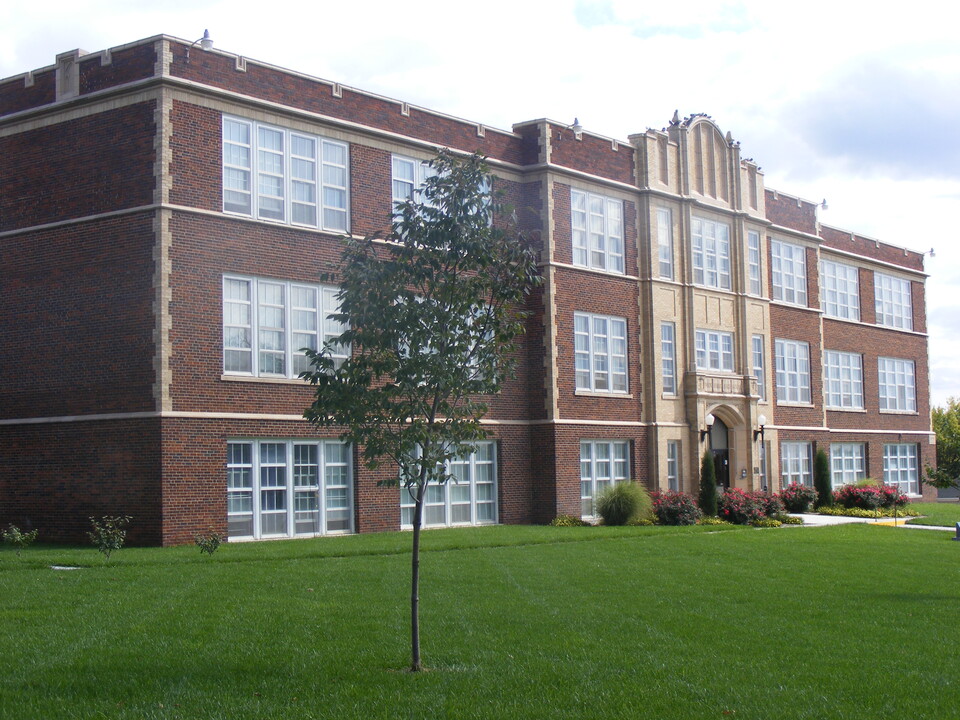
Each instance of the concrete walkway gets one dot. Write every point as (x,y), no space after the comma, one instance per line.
(812,520)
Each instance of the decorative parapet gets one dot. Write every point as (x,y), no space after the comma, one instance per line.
(721,385)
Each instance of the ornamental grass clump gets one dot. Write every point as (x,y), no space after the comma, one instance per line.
(624,503)
(740,507)
(675,508)
(798,498)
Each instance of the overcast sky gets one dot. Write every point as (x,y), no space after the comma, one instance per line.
(833,100)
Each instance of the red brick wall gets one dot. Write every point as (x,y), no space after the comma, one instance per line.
(76,304)
(304,93)
(90,165)
(133,63)
(789,212)
(592,154)
(196,146)
(56,475)
(15,96)
(850,242)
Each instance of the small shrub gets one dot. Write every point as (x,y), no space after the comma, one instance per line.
(798,498)
(767,522)
(19,539)
(710,520)
(208,543)
(568,521)
(772,505)
(863,496)
(675,508)
(109,532)
(789,520)
(739,507)
(708,485)
(622,503)
(891,497)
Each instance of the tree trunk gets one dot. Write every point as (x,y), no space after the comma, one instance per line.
(415,664)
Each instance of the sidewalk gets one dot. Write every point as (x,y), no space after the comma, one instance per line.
(812,520)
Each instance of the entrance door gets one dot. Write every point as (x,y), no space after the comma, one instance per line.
(721,453)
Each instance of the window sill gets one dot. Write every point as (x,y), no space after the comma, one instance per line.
(783,403)
(601,393)
(898,412)
(268,380)
(846,410)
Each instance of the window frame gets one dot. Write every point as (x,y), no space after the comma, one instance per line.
(325,328)
(896,396)
(711,253)
(840,290)
(257,169)
(796,463)
(668,352)
(284,489)
(595,359)
(848,462)
(788,272)
(842,380)
(592,248)
(893,301)
(793,384)
(705,355)
(754,264)
(592,484)
(906,457)
(758,365)
(665,243)
(673,465)
(446,501)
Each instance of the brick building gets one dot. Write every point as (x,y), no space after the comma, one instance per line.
(170,224)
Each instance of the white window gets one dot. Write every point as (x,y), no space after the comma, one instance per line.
(793,371)
(469,497)
(843,380)
(408,177)
(665,242)
(673,465)
(756,348)
(788,266)
(600,348)
(753,262)
(897,388)
(711,253)
(597,226)
(847,464)
(839,290)
(289,488)
(668,350)
(714,350)
(894,304)
(267,323)
(285,176)
(602,463)
(795,464)
(900,467)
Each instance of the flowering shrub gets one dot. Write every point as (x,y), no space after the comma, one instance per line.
(798,498)
(865,497)
(740,507)
(890,496)
(773,506)
(675,508)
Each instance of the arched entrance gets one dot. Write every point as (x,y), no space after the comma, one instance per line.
(720,448)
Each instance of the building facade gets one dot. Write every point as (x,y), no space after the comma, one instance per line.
(171,222)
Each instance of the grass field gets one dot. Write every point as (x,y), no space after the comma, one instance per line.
(943,514)
(518,622)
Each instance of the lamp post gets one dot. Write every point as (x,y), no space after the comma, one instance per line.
(762,422)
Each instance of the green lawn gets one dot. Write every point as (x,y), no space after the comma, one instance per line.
(518,622)
(934,513)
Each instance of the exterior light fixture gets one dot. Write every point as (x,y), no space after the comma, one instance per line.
(709,422)
(206,42)
(761,421)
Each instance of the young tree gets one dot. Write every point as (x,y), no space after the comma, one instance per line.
(432,316)
(708,485)
(946,424)
(821,479)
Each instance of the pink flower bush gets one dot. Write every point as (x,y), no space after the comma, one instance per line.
(675,508)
